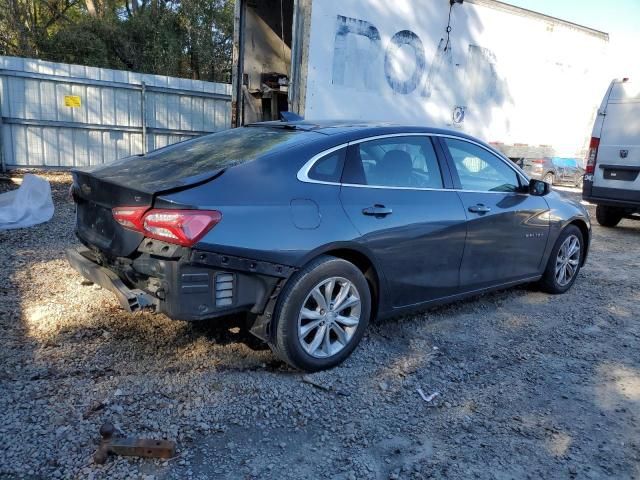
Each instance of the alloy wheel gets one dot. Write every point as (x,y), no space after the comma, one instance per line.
(567,260)
(329,317)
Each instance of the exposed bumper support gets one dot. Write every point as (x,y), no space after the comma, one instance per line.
(198,285)
(129,299)
(218,260)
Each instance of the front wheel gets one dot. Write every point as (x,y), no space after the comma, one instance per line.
(564,262)
(322,314)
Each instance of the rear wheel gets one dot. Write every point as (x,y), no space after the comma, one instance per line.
(608,216)
(548,177)
(322,314)
(564,262)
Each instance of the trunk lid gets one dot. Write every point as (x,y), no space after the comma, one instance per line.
(95,225)
(96,196)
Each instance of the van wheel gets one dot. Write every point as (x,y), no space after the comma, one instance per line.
(564,262)
(321,315)
(548,178)
(608,216)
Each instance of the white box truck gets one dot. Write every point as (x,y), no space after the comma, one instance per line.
(526,82)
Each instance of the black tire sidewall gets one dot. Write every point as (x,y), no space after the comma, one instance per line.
(550,274)
(608,216)
(290,303)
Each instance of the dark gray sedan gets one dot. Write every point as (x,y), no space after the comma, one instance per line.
(555,170)
(313,230)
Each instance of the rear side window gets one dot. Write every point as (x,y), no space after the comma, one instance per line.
(480,170)
(408,162)
(329,167)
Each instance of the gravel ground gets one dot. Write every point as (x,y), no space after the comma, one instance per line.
(530,385)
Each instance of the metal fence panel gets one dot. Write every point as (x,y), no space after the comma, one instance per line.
(59,115)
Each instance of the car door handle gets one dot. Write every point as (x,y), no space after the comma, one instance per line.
(377,211)
(480,208)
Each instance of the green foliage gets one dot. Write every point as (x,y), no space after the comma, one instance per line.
(185,38)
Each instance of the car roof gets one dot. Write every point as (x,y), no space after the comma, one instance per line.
(352,129)
(320,124)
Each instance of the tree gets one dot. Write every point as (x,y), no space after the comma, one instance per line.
(187,38)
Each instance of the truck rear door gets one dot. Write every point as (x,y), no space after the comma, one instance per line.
(617,172)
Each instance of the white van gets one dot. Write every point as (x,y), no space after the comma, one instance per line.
(612,174)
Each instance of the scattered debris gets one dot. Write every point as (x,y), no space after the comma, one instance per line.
(427,398)
(28,205)
(94,407)
(309,379)
(133,447)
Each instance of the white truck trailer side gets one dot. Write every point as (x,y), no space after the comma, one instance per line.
(527,82)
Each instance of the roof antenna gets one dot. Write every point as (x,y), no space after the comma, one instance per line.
(286,116)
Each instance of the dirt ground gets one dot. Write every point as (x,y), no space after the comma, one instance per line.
(530,385)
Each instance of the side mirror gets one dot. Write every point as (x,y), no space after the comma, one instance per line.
(538,187)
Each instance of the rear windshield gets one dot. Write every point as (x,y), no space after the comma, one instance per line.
(193,160)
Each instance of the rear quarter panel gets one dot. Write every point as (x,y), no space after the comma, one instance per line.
(267,214)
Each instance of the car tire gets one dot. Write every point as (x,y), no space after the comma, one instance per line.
(549,178)
(295,333)
(562,255)
(608,216)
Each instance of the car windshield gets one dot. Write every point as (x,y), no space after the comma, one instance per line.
(183,163)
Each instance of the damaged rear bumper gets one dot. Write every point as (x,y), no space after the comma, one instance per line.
(130,299)
(186,284)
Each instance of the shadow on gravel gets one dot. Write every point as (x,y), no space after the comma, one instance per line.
(629,227)
(19,250)
(228,330)
(23,394)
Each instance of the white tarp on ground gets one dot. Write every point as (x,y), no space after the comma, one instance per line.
(28,205)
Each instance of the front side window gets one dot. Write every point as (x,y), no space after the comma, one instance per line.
(408,162)
(480,170)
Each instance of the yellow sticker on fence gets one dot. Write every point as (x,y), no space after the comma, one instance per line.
(72,101)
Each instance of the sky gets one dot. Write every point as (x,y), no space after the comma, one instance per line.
(619,18)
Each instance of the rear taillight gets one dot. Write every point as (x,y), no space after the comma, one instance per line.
(592,156)
(130,217)
(538,161)
(183,227)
